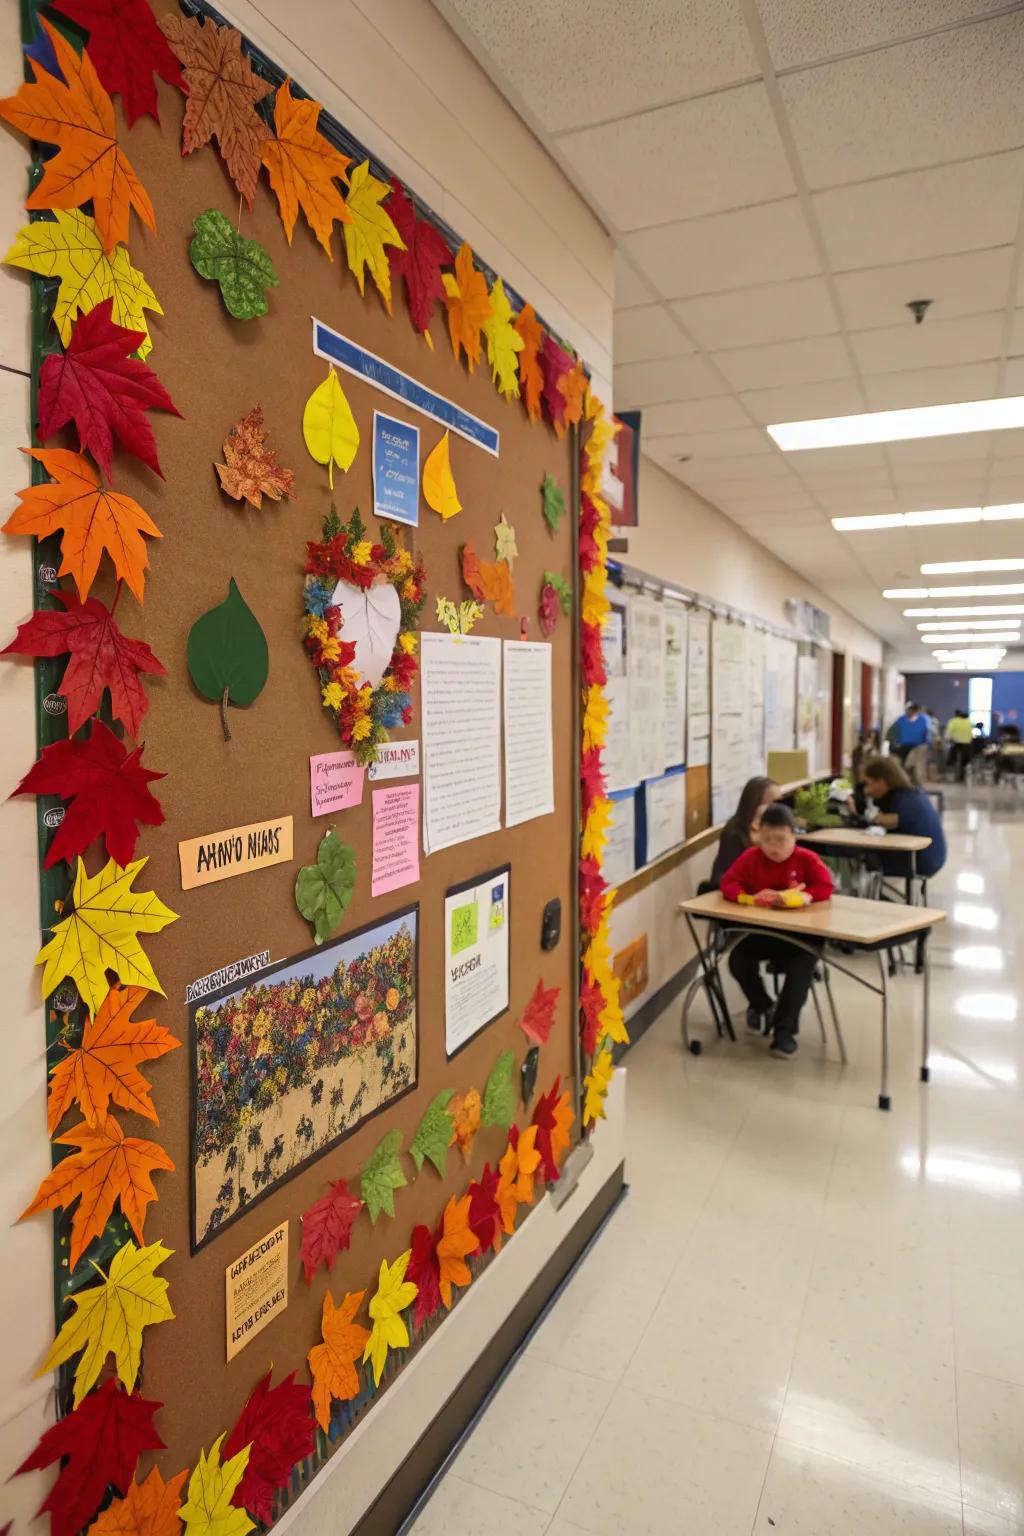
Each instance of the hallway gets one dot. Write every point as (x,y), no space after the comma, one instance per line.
(805,1316)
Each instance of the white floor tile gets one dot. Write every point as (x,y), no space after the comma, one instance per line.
(471,1511)
(991,1419)
(807,1494)
(989,1322)
(896,1299)
(979,1522)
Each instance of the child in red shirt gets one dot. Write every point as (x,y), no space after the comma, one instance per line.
(775,873)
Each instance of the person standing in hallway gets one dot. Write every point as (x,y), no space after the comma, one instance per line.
(959,741)
(910,735)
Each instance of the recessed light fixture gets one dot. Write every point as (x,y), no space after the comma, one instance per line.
(1012,589)
(970,612)
(1011,512)
(1011,637)
(964,567)
(971,624)
(899,426)
(953,666)
(978,658)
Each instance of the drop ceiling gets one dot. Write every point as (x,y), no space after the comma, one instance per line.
(781,178)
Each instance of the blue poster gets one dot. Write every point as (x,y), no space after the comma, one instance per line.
(396,470)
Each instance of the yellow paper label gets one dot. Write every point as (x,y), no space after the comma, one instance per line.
(257,1288)
(237,851)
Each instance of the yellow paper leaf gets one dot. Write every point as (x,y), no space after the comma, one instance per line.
(70,249)
(394,1294)
(329,427)
(596,1085)
(101,934)
(459,620)
(503,343)
(505,542)
(109,1317)
(439,491)
(370,230)
(595,830)
(208,1510)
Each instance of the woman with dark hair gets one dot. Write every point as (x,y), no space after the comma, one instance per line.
(900,807)
(738,832)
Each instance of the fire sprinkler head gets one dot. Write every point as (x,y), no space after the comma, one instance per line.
(919,308)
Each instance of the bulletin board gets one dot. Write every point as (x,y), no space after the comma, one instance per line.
(216,369)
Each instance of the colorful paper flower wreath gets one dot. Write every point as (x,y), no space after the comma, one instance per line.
(362,601)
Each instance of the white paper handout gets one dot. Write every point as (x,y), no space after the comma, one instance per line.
(666,814)
(529,767)
(460,693)
(371,620)
(476,937)
(676,664)
(645,658)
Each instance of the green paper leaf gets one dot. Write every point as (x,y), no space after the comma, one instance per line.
(323,890)
(552,503)
(528,1074)
(241,267)
(381,1176)
(499,1094)
(434,1134)
(227,654)
(563,588)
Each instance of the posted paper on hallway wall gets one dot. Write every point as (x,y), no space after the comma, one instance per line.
(529,768)
(460,693)
(476,928)
(396,852)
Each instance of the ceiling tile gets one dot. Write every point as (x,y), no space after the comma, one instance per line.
(798,32)
(830,479)
(739,490)
(669,378)
(1008,444)
(649,332)
(930,386)
(770,496)
(957,285)
(715,415)
(938,472)
(898,348)
(771,312)
(762,465)
(923,213)
(931,450)
(1013,381)
(822,460)
(946,97)
(741,444)
(725,251)
(789,362)
(1017,334)
(682,47)
(630,288)
(701,156)
(804,402)
(850,499)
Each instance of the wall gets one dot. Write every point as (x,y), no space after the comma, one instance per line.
(946,692)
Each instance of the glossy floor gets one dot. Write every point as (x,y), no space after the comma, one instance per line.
(806,1317)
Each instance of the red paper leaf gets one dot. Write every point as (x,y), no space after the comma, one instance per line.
(98,385)
(552,1117)
(591,1005)
(424,1270)
(591,778)
(421,262)
(327,1227)
(593,887)
(127,49)
(106,786)
(100,657)
(277,1424)
(592,656)
(484,1216)
(539,1016)
(102,1440)
(548,609)
(590,518)
(555,363)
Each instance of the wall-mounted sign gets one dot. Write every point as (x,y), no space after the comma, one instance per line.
(237,851)
(256,1286)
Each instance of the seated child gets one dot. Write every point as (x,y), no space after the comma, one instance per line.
(775,873)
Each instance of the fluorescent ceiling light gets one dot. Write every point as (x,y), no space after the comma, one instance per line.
(962,567)
(1010,637)
(1008,513)
(953,666)
(1011,512)
(1010,589)
(898,426)
(971,624)
(971,612)
(983,661)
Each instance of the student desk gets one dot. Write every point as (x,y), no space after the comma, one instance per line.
(855,843)
(868,927)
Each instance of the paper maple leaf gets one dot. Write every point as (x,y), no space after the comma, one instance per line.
(419,263)
(277,1427)
(109,1318)
(303,167)
(439,490)
(531,380)
(101,934)
(484,1216)
(591,1008)
(100,658)
(539,1014)
(454,1242)
(503,343)
(91,519)
(465,1110)
(553,1118)
(468,304)
(77,115)
(505,542)
(327,1227)
(517,1173)
(222,95)
(382,1174)
(208,1510)
(458,620)
(548,609)
(108,1166)
(394,1293)
(69,248)
(107,790)
(127,48)
(425,1273)
(148,1509)
(98,385)
(572,386)
(488,581)
(99,1444)
(434,1134)
(555,363)
(369,230)
(332,1363)
(596,1084)
(252,470)
(105,1066)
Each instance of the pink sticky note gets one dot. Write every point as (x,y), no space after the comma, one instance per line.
(396,844)
(335,782)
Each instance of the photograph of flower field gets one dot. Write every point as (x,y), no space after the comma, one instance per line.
(287,1064)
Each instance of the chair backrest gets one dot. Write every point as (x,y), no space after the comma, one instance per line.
(705,887)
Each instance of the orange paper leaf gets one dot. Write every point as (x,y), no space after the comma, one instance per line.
(465,1109)
(498,589)
(454,1243)
(252,470)
(572,386)
(332,1363)
(531,379)
(303,166)
(468,304)
(148,1509)
(108,1166)
(77,115)
(517,1173)
(106,1064)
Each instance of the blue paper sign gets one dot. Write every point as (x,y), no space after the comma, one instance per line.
(396,470)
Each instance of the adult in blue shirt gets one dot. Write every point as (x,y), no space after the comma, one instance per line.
(899,807)
(911,729)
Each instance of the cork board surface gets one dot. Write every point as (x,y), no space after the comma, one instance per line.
(216,369)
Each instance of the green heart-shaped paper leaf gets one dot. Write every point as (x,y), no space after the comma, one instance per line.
(323,890)
(434,1134)
(241,267)
(552,503)
(227,654)
(499,1094)
(381,1176)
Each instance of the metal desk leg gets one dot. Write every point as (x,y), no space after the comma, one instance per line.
(926,976)
(884,1101)
(835,1018)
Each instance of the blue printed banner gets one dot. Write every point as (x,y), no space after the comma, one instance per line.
(392,381)
(396,470)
